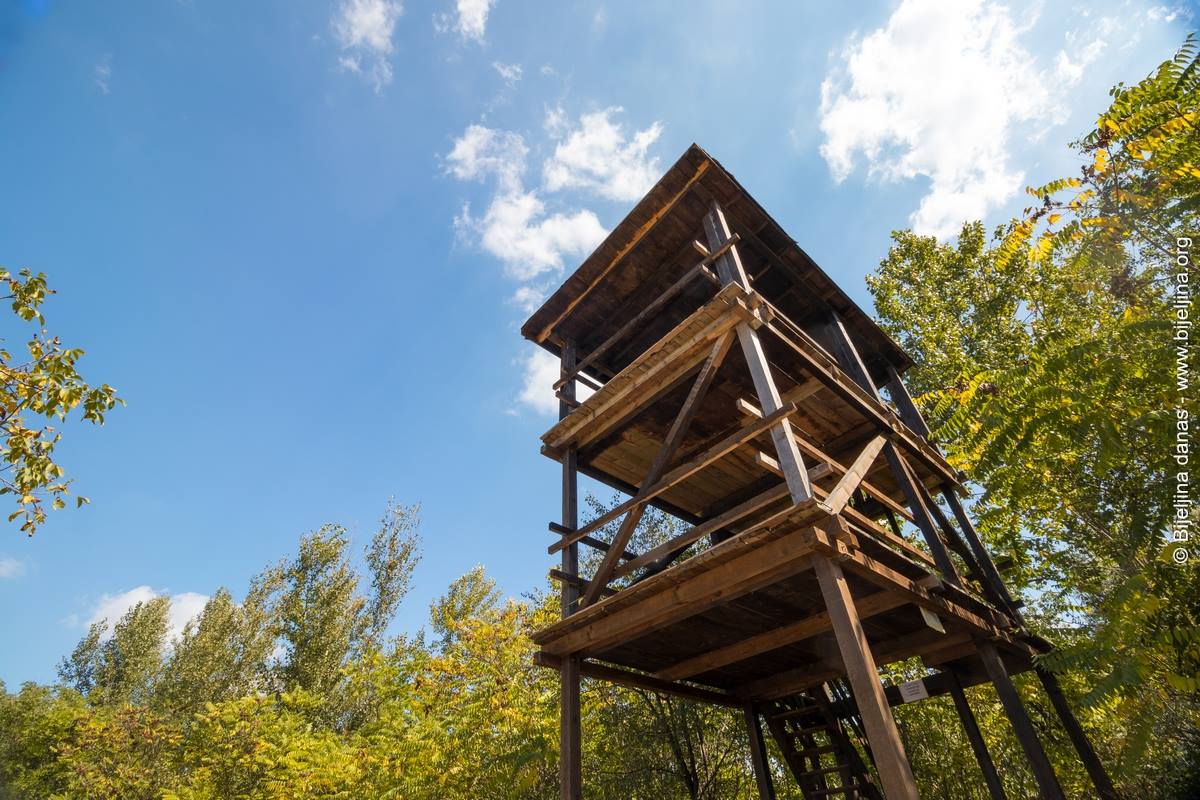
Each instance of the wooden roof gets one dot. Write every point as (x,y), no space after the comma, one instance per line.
(651,248)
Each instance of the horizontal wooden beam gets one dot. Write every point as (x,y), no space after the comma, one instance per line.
(637,680)
(595,544)
(667,599)
(575,580)
(783,636)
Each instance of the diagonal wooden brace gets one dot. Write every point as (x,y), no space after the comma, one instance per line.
(665,453)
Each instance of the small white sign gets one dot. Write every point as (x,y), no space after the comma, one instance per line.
(913,691)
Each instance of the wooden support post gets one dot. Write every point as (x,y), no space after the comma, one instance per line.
(570,750)
(1043,771)
(1091,762)
(570,484)
(683,419)
(981,554)
(910,415)
(729,269)
(890,758)
(975,736)
(921,514)
(758,754)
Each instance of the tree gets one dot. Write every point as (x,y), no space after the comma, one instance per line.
(1044,367)
(124,667)
(45,384)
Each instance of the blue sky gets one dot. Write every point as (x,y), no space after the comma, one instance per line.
(299,236)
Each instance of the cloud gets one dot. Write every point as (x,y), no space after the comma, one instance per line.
(482,152)
(511,73)
(949,113)
(11,567)
(102,73)
(185,607)
(539,374)
(516,229)
(363,29)
(540,369)
(598,157)
(469,20)
(531,240)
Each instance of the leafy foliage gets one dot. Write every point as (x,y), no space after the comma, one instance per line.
(44,383)
(1045,367)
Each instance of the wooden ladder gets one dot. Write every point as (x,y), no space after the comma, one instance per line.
(817,746)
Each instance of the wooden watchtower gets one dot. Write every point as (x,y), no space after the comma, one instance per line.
(736,387)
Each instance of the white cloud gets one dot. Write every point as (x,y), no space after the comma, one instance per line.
(949,113)
(11,567)
(529,298)
(597,156)
(540,373)
(481,152)
(516,229)
(185,606)
(364,28)
(102,73)
(511,73)
(469,20)
(540,370)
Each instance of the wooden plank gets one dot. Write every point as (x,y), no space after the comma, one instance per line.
(1091,761)
(907,483)
(698,532)
(675,476)
(886,578)
(638,236)
(1027,736)
(730,270)
(576,581)
(570,484)
(890,759)
(853,476)
(990,777)
(760,566)
(758,753)
(669,294)
(666,452)
(570,733)
(657,369)
(783,636)
(637,680)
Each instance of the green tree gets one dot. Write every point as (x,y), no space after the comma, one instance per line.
(1044,367)
(43,383)
(123,668)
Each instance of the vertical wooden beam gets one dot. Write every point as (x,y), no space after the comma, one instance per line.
(730,270)
(666,452)
(975,736)
(570,750)
(570,730)
(890,758)
(758,754)
(570,484)
(1043,771)
(1091,761)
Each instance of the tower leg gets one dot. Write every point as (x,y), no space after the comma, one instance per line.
(1091,762)
(890,759)
(758,754)
(570,773)
(990,776)
(1043,772)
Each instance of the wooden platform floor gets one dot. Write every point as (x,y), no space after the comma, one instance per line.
(747,616)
